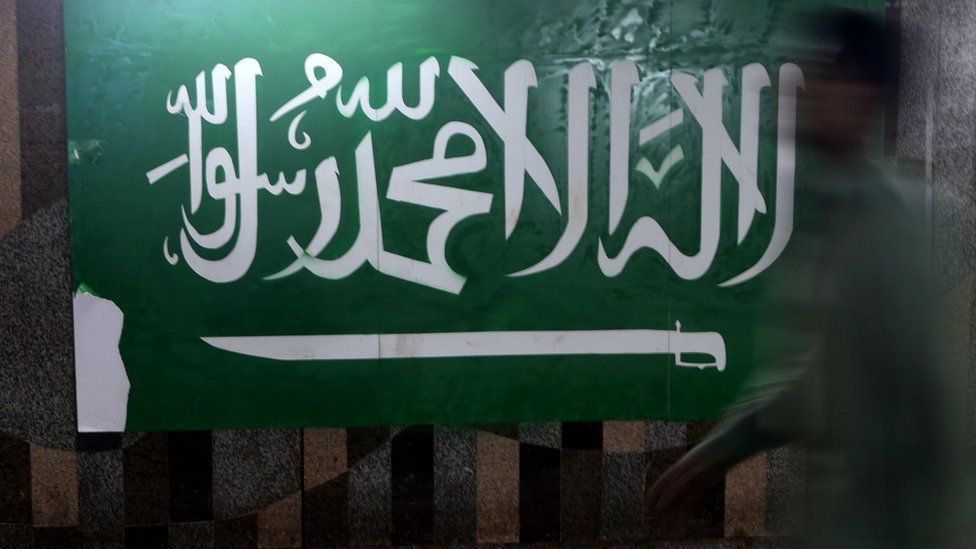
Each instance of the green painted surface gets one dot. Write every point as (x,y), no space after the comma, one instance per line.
(124,57)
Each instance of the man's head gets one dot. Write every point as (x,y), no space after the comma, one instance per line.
(849,85)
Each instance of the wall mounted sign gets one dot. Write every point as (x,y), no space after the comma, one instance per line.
(311,213)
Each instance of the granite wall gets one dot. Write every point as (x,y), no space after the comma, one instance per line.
(559,482)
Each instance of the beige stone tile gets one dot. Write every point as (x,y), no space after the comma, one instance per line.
(280,524)
(498,489)
(624,436)
(54,487)
(745,498)
(9,120)
(325,455)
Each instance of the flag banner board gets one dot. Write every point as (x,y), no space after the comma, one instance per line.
(359,212)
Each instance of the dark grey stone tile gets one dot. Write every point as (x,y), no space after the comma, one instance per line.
(40,57)
(191,535)
(917,75)
(101,498)
(17,536)
(190,476)
(146,481)
(784,489)
(663,435)
(147,537)
(236,533)
(15,486)
(37,397)
(455,484)
(546,434)
(581,493)
(623,496)
(254,468)
(370,495)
